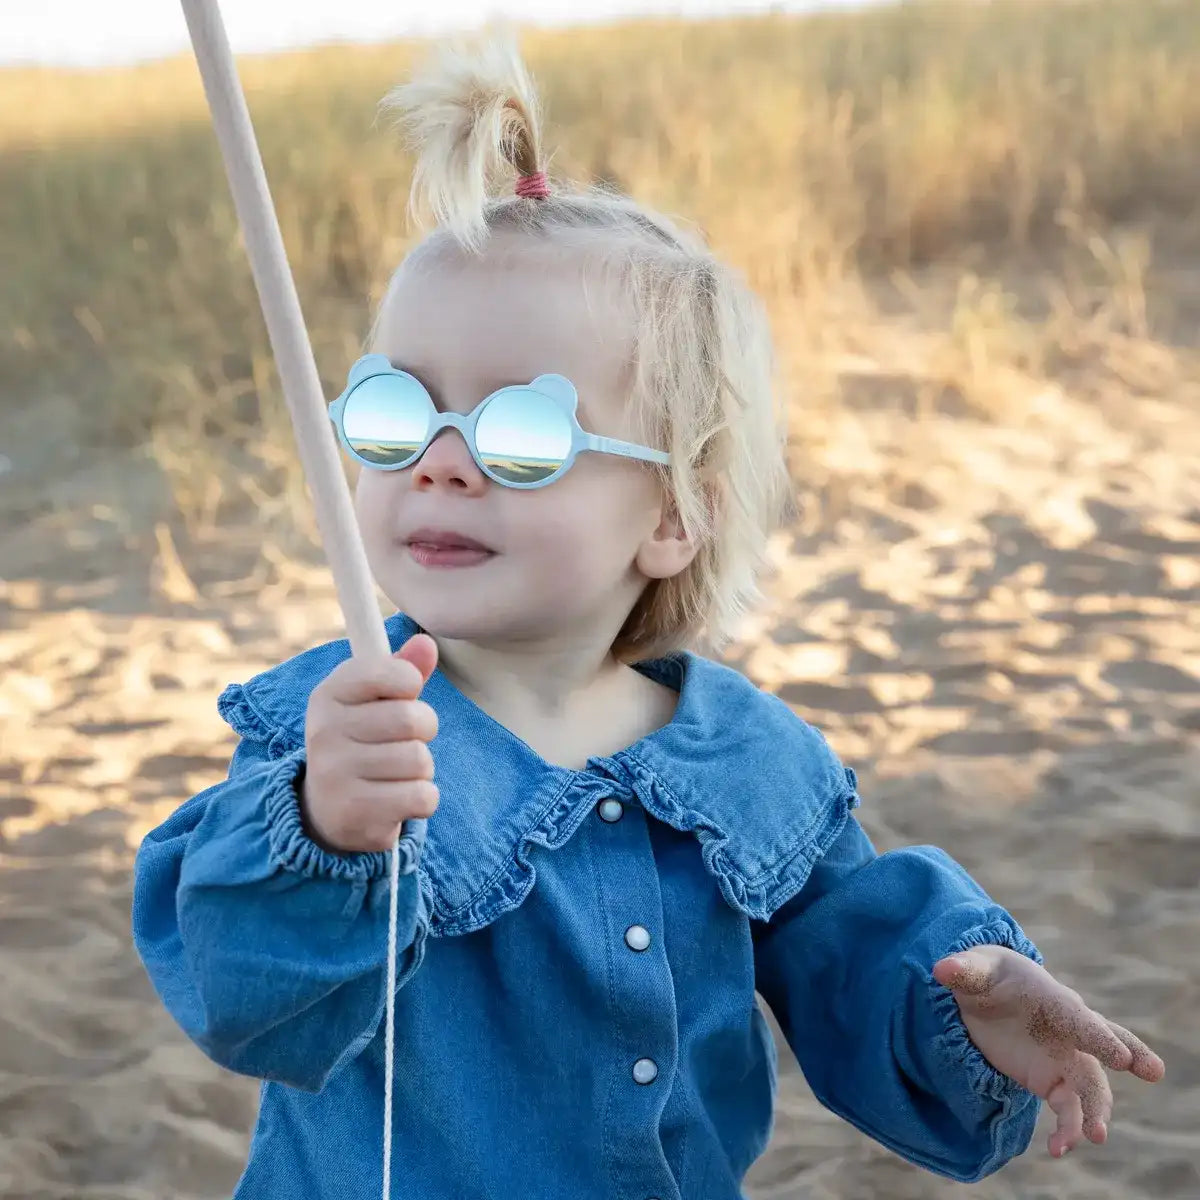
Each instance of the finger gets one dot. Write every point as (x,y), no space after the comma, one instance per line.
(965,973)
(393,762)
(391,721)
(422,651)
(1064,1102)
(416,798)
(1091,1034)
(1089,1081)
(1062,1022)
(1145,1064)
(396,802)
(358,681)
(379,809)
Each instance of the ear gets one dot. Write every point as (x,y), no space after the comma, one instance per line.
(668,550)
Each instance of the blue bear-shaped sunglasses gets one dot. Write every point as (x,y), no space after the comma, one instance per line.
(523,436)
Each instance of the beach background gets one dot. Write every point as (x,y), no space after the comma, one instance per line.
(978,232)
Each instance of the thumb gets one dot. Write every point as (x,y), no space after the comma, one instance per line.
(964,972)
(420,650)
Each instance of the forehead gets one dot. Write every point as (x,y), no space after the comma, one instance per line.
(516,311)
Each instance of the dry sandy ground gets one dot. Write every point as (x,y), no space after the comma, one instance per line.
(999,628)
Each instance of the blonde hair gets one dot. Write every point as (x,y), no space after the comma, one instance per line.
(704,377)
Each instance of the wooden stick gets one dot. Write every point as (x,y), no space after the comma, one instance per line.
(285,326)
(313,429)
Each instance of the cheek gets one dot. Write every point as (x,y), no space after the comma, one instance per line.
(600,514)
(624,498)
(373,505)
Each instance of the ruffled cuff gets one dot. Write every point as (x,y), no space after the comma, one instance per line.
(989,1118)
(954,1046)
(292,849)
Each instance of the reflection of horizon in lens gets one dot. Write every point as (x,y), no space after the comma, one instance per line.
(526,469)
(382,450)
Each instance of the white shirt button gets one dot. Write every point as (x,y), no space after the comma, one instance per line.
(645,1070)
(637,937)
(611,810)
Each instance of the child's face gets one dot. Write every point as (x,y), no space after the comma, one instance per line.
(568,560)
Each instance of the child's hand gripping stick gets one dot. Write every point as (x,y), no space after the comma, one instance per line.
(369,767)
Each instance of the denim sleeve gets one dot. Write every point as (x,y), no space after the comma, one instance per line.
(269,951)
(846,967)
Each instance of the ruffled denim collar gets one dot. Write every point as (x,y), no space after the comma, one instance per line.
(760,789)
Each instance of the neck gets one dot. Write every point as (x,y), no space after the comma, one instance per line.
(567,698)
(543,680)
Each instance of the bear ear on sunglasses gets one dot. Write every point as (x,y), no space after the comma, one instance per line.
(522,436)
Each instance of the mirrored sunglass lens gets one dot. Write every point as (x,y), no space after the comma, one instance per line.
(385,419)
(523,437)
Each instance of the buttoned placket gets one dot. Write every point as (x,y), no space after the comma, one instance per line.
(643,994)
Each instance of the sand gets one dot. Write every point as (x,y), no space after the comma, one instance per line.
(996,623)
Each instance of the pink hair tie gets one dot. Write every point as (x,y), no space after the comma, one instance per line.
(533,187)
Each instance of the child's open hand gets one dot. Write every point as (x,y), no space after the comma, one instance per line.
(1035,1030)
(369,768)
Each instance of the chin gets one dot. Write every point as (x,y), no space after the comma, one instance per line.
(470,622)
(485,627)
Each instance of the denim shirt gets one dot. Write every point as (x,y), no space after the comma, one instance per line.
(578,958)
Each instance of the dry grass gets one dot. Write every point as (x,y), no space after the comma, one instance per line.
(943,203)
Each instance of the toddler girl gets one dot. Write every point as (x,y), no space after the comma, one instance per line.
(570,462)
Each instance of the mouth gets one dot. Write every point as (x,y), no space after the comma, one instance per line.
(446,548)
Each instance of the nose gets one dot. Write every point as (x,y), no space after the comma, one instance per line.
(447,463)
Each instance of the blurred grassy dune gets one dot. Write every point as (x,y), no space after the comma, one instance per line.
(969,199)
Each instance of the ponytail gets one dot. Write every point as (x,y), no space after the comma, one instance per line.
(466,116)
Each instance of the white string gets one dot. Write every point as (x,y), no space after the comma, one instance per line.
(389,1036)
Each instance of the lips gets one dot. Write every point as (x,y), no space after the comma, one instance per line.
(443,549)
(445,539)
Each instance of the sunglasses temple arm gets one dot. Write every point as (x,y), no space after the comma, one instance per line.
(604,445)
